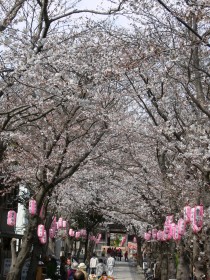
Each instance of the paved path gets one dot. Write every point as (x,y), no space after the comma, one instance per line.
(126,271)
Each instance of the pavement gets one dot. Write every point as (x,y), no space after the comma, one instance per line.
(127,271)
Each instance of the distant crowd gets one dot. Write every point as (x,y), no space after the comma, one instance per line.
(101,268)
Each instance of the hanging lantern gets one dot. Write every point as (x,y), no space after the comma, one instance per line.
(198,215)
(64,224)
(60,222)
(169,219)
(154,233)
(187,214)
(195,228)
(181,226)
(167,228)
(11,218)
(99,236)
(134,240)
(40,230)
(159,235)
(32,206)
(83,232)
(71,232)
(147,236)
(54,224)
(176,235)
(51,233)
(77,234)
(43,239)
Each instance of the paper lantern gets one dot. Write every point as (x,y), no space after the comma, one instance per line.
(147,236)
(167,229)
(169,219)
(134,240)
(159,235)
(40,230)
(176,235)
(43,239)
(198,215)
(51,233)
(64,224)
(60,222)
(83,232)
(195,228)
(77,234)
(32,206)
(187,214)
(154,233)
(181,226)
(11,218)
(71,232)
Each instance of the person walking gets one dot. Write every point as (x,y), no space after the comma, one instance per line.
(100,268)
(126,256)
(110,265)
(93,263)
(82,267)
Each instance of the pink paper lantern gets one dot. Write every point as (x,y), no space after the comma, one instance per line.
(11,218)
(83,232)
(195,228)
(60,222)
(43,239)
(134,240)
(167,228)
(51,233)
(159,235)
(181,226)
(77,234)
(71,232)
(192,216)
(169,219)
(154,233)
(40,230)
(147,236)
(198,215)
(176,235)
(32,206)
(54,224)
(187,214)
(64,224)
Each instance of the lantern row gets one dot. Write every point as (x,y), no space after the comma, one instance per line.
(192,216)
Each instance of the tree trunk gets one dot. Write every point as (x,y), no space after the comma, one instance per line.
(79,250)
(183,269)
(37,251)
(164,262)
(139,252)
(23,254)
(27,242)
(172,261)
(199,264)
(86,247)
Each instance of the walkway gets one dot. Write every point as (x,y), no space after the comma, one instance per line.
(126,271)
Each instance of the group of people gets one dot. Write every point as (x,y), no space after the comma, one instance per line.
(116,253)
(96,269)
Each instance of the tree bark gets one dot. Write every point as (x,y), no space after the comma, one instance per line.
(183,269)
(139,252)
(28,239)
(172,261)
(164,262)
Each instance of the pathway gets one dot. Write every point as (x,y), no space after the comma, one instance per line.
(126,271)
